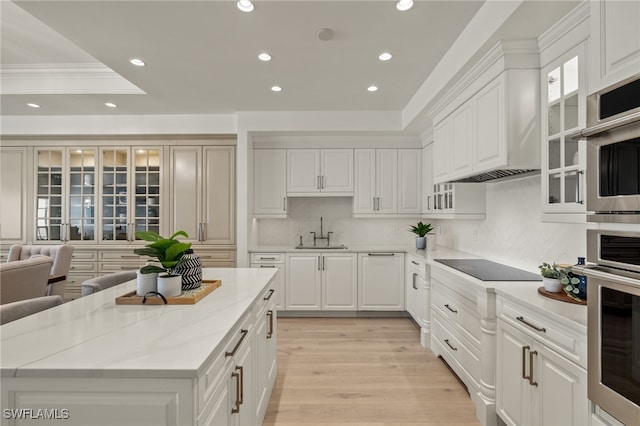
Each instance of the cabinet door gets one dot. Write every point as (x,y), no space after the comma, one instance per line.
(303,170)
(150,202)
(336,170)
(13,187)
(381,281)
(115,195)
(261,363)
(409,181)
(365,181)
(339,282)
(427,179)
(513,392)
(219,195)
(270,182)
(245,366)
(387,180)
(50,193)
(615,42)
(278,281)
(217,411)
(490,145)
(186,190)
(81,195)
(562,390)
(303,282)
(441,148)
(411,291)
(461,141)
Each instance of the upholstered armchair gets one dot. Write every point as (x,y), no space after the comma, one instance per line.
(97,284)
(61,256)
(24,279)
(22,308)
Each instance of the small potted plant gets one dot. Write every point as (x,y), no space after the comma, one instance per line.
(169,253)
(551,276)
(421,230)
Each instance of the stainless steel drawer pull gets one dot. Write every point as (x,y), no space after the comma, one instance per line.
(235,349)
(381,254)
(271,291)
(415,263)
(270,332)
(522,320)
(450,308)
(531,354)
(449,344)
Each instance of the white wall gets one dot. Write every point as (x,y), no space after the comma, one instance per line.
(512,232)
(304,217)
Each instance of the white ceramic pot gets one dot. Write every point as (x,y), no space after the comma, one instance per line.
(146,283)
(170,286)
(552,285)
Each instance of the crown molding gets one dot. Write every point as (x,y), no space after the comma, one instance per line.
(63,79)
(579,14)
(505,54)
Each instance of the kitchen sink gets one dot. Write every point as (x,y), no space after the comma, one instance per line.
(340,247)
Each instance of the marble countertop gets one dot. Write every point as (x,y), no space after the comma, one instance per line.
(94,337)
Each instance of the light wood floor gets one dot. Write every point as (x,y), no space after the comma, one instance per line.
(362,371)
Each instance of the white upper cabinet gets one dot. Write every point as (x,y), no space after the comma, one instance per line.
(461,142)
(409,181)
(614,42)
(563,97)
(490,149)
(427,178)
(441,144)
(319,172)
(270,183)
(376,181)
(203,193)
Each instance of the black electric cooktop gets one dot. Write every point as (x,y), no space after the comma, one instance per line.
(486,270)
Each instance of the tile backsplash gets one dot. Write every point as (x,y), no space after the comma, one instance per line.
(336,212)
(512,232)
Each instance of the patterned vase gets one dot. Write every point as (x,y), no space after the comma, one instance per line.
(191,270)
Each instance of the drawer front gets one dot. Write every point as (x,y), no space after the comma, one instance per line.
(82,268)
(451,342)
(463,285)
(267,257)
(73,290)
(216,256)
(214,371)
(123,255)
(417,265)
(458,310)
(84,255)
(565,340)
(216,264)
(108,268)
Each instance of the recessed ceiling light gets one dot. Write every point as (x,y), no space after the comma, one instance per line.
(138,62)
(245,5)
(372,88)
(264,56)
(110,104)
(276,89)
(403,5)
(33,105)
(385,56)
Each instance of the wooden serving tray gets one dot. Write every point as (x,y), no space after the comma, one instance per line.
(562,296)
(187,297)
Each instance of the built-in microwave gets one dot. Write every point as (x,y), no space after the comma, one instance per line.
(613,152)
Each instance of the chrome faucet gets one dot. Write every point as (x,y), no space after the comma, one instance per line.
(322,236)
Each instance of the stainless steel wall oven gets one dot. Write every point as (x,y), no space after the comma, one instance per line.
(613,194)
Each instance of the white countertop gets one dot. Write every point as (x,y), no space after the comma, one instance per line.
(94,337)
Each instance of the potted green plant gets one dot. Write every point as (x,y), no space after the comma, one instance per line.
(169,254)
(551,276)
(421,230)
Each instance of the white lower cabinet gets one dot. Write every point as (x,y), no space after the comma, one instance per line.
(381,282)
(273,260)
(535,384)
(265,335)
(321,281)
(463,334)
(418,295)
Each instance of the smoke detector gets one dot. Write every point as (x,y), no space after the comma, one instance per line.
(324,34)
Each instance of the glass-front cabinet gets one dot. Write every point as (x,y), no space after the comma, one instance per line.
(563,158)
(130,192)
(65,194)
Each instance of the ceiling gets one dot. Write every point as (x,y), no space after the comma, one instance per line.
(73,56)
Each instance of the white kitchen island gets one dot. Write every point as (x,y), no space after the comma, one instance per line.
(92,362)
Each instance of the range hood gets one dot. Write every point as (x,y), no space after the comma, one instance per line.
(499,175)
